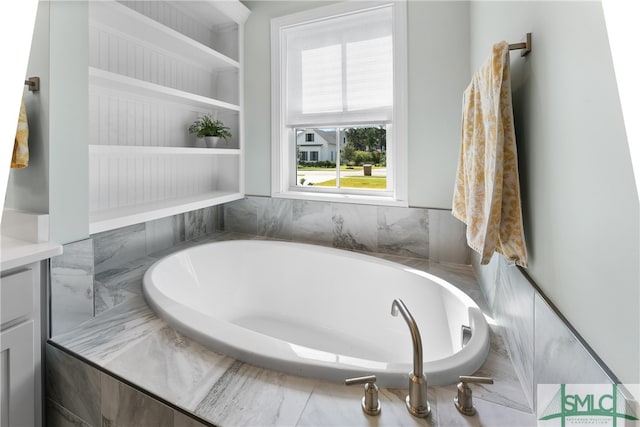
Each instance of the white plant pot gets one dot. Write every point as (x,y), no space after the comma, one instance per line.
(213,141)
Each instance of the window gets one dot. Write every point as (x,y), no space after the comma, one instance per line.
(339,78)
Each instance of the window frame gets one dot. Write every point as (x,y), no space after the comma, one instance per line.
(283,143)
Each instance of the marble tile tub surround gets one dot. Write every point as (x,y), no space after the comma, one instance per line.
(72,286)
(91,275)
(248,396)
(117,247)
(129,342)
(88,278)
(543,348)
(78,394)
(413,232)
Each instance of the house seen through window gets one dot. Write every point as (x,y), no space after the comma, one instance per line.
(338,78)
(343,157)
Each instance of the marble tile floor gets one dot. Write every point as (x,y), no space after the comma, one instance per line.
(129,341)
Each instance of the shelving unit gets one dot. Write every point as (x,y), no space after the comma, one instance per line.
(154,67)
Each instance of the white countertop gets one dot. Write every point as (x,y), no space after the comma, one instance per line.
(15,253)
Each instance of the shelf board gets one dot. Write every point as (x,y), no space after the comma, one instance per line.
(122,217)
(136,149)
(217,13)
(114,16)
(115,81)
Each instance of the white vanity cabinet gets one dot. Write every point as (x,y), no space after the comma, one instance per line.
(154,68)
(23,278)
(20,341)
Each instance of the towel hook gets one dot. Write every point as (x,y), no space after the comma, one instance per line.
(33,83)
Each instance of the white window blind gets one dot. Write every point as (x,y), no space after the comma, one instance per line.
(339,70)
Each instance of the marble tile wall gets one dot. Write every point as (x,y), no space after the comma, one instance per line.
(414,232)
(573,364)
(72,286)
(541,345)
(81,395)
(117,247)
(91,275)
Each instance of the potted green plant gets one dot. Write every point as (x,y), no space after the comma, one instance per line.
(212,130)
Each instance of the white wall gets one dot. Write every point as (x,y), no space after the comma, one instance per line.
(257,89)
(28,188)
(580,201)
(69,122)
(438,73)
(621,18)
(55,181)
(17,21)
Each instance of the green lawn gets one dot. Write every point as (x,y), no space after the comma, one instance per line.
(377,182)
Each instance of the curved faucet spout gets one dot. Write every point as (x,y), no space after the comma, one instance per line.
(417,403)
(398,306)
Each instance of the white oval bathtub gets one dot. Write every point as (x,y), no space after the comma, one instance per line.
(315,311)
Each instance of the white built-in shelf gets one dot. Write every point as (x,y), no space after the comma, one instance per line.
(154,67)
(115,17)
(129,215)
(138,149)
(119,82)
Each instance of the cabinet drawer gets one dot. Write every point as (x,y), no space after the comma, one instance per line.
(16,295)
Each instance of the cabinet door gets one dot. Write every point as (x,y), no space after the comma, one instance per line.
(17,383)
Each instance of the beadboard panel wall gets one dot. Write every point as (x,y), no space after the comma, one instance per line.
(131,177)
(119,117)
(144,61)
(208,29)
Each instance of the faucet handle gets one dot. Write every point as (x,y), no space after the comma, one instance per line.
(370,402)
(464,399)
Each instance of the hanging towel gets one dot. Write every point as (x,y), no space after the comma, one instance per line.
(20,157)
(487,190)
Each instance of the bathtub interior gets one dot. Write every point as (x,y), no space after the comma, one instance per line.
(313,297)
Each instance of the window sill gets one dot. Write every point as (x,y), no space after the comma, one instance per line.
(341,198)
